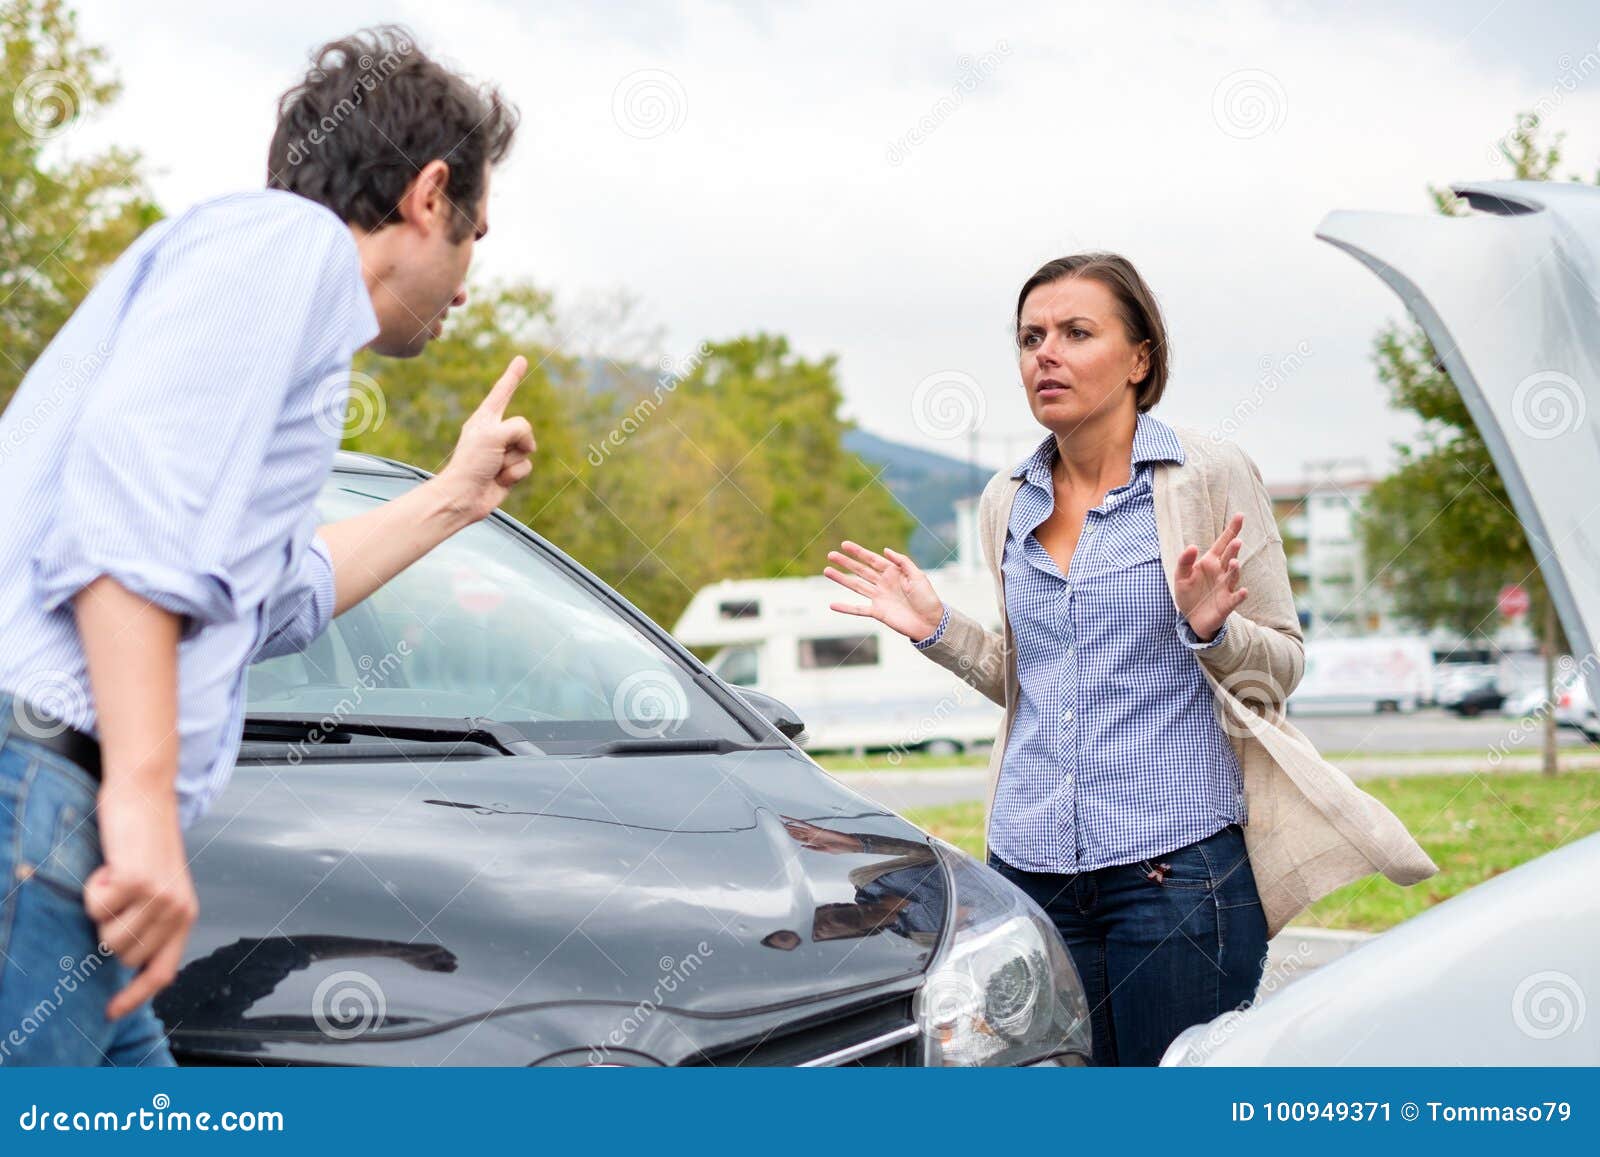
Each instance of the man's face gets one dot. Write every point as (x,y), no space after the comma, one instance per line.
(424,272)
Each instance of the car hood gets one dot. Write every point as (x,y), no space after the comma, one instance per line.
(407,897)
(1508,297)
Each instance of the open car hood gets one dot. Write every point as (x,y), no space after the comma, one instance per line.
(1507,295)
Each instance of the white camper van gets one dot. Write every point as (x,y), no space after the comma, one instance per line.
(856,684)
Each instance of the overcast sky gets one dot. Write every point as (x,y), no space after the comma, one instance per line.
(875,181)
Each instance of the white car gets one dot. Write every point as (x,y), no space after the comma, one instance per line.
(1573,706)
(1529,701)
(1503,974)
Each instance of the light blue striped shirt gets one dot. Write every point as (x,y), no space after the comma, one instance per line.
(174,436)
(1115,753)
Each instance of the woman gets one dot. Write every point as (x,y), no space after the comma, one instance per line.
(1145,788)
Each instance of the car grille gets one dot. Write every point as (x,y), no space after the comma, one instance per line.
(878,1035)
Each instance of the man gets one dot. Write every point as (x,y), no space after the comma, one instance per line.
(161,463)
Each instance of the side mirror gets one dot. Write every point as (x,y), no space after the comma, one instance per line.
(774,711)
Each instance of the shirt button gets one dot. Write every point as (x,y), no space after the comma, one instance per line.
(1067,715)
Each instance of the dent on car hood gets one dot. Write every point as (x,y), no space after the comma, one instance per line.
(1507,295)
(409,897)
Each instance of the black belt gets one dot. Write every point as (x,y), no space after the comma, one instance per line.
(71,744)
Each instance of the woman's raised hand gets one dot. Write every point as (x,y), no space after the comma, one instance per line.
(898,594)
(1206,586)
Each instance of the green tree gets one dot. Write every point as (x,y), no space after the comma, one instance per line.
(412,409)
(732,468)
(1441,529)
(64,220)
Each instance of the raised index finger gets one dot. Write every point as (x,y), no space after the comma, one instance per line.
(500,394)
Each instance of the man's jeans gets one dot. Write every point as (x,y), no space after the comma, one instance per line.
(54,981)
(1157,955)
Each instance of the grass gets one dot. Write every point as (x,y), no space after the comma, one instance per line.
(1474,827)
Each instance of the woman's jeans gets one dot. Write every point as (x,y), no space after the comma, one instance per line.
(1157,955)
(54,980)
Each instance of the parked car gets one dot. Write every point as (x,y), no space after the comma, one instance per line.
(1475,698)
(1575,709)
(494,815)
(1568,701)
(1589,724)
(1529,701)
(1456,680)
(1573,706)
(1501,974)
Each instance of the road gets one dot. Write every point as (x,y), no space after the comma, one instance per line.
(1428,730)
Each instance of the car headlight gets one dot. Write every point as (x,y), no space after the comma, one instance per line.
(1003,990)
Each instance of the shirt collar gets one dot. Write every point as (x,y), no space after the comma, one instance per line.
(1153,441)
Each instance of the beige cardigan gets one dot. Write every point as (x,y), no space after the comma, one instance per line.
(1310,829)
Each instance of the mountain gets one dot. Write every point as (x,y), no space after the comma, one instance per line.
(925,483)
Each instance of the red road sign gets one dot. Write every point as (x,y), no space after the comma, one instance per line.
(474,593)
(1513,600)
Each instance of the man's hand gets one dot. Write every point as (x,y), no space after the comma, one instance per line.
(1206,586)
(141,898)
(490,458)
(493,452)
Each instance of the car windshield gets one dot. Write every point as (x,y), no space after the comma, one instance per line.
(488,626)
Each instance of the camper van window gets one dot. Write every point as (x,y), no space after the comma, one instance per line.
(742,609)
(738,666)
(843,651)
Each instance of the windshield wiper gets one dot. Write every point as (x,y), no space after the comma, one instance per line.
(666,745)
(288,727)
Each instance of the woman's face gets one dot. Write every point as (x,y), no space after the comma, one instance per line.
(1076,359)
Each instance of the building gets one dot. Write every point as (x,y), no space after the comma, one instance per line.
(1333,586)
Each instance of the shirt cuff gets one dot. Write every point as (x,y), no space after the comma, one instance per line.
(1192,640)
(924,644)
(200,598)
(298,613)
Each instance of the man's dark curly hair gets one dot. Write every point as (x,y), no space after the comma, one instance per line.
(373,110)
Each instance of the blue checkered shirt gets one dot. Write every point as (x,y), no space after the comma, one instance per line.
(1115,753)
